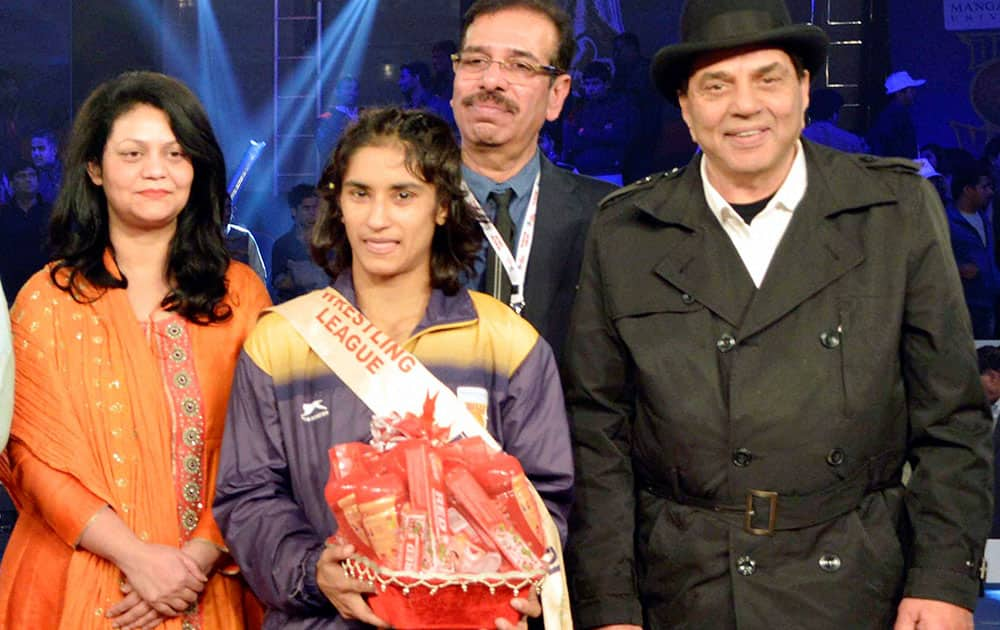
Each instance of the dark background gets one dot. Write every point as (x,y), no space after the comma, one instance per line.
(60,49)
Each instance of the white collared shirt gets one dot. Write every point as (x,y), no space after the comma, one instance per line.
(757,242)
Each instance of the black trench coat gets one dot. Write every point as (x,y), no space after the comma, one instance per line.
(688,388)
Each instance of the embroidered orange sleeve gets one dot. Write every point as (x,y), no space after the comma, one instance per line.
(65,504)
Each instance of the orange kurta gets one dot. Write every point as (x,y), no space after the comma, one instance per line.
(99,420)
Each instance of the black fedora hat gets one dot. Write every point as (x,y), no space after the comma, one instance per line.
(710,25)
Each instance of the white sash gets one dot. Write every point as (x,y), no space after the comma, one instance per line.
(389,379)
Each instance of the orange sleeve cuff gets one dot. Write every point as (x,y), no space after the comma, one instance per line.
(65,504)
(207,529)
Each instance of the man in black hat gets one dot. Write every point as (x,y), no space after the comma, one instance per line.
(760,342)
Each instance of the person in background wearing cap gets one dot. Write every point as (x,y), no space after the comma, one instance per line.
(894,134)
(928,172)
(760,341)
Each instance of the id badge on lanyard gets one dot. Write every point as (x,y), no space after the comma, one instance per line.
(516,267)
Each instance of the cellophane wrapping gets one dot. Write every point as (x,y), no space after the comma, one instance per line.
(447,532)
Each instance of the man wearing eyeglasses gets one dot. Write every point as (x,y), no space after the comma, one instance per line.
(510,77)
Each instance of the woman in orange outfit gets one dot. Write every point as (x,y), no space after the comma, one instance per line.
(125,350)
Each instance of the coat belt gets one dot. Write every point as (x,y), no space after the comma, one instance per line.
(764,512)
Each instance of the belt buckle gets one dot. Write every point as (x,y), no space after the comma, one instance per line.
(772,498)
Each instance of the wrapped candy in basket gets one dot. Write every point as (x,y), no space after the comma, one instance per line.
(447,532)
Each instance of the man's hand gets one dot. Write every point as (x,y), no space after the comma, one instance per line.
(930,614)
(529,607)
(343,592)
(968,271)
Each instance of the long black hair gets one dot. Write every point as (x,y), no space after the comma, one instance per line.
(432,155)
(78,232)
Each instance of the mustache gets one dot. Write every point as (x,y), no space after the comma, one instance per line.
(492,96)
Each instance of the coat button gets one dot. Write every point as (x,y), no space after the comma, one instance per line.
(725,343)
(687,298)
(830,339)
(746,566)
(829,562)
(742,457)
(836,457)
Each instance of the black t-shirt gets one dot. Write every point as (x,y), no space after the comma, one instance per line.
(749,210)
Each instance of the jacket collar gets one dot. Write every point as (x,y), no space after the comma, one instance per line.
(682,206)
(787,197)
(522,181)
(556,186)
(552,224)
(813,252)
(442,310)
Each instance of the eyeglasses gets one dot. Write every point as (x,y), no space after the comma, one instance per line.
(515,71)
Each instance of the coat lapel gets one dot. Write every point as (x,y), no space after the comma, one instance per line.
(552,224)
(813,253)
(699,258)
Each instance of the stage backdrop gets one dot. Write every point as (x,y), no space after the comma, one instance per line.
(955,46)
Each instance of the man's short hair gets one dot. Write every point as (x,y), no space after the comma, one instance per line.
(418,69)
(21,165)
(597,70)
(824,104)
(967,173)
(989,358)
(560,19)
(298,193)
(47,134)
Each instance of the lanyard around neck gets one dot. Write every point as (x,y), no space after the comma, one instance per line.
(516,267)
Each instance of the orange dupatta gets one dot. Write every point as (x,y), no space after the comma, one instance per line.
(90,403)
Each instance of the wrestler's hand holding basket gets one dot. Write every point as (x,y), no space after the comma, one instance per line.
(447,532)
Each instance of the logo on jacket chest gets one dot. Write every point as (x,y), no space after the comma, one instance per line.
(313,411)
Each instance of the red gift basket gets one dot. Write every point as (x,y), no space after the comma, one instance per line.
(466,601)
(447,533)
